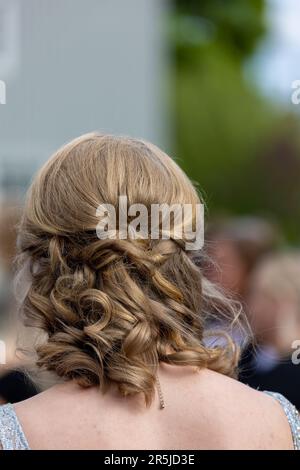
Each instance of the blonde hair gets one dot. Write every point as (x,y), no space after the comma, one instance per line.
(112,309)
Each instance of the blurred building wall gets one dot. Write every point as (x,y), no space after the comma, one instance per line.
(73,66)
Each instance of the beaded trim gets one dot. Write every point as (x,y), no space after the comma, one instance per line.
(292,415)
(11,433)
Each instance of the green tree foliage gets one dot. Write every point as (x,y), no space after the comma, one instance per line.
(228,137)
(238,24)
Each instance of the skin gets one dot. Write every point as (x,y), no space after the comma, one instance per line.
(204,410)
(231,272)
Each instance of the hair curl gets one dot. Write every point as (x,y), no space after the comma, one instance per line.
(112,309)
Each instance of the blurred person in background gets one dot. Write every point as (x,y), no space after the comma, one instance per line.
(274,314)
(15,385)
(234,246)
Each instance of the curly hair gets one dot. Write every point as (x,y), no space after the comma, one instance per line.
(113,309)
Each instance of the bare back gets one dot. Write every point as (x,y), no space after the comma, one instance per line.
(204,410)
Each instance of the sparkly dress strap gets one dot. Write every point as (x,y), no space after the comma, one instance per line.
(292,415)
(11,434)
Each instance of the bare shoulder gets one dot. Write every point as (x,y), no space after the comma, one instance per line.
(251,418)
(47,399)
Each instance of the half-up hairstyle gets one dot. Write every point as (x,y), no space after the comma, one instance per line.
(112,309)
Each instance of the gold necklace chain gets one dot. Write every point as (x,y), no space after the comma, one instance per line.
(160,394)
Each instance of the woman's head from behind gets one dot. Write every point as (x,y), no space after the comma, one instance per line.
(113,308)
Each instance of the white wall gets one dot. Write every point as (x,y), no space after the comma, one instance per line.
(73,66)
